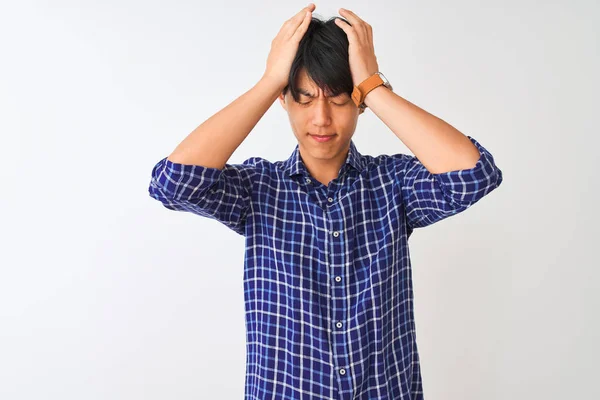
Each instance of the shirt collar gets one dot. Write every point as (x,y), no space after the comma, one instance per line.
(294,164)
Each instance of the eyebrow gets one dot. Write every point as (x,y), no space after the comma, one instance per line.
(307,93)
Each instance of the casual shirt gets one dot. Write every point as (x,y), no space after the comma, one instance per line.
(327,273)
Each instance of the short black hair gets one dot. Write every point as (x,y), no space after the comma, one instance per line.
(323,54)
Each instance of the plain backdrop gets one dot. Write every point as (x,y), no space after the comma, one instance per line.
(106,294)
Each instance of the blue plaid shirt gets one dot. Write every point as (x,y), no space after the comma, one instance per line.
(327,274)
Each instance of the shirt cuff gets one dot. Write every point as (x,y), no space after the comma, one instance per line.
(183,181)
(466,186)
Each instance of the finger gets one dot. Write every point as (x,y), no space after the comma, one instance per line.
(303,26)
(350,16)
(346,27)
(297,19)
(301,13)
(358,24)
(344,22)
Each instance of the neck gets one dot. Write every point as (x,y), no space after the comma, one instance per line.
(324,169)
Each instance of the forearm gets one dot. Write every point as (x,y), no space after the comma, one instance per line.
(438,145)
(213,142)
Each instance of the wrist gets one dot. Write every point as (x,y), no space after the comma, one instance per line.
(273,83)
(367,84)
(360,78)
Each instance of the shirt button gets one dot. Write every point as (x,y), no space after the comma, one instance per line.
(308,180)
(342,371)
(338,278)
(336,234)
(330,200)
(339,324)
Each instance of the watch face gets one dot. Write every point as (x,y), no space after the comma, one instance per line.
(385,81)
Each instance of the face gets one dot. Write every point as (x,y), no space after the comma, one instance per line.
(316,114)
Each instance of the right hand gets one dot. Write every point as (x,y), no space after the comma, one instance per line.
(285,46)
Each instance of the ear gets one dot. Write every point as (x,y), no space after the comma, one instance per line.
(282,101)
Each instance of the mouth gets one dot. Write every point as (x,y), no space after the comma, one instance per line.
(323,138)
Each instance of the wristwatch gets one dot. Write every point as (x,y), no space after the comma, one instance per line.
(360,92)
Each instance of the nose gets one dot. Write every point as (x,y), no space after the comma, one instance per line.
(321,112)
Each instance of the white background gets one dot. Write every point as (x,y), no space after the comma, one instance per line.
(105,294)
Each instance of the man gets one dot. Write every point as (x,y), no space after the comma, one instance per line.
(327,274)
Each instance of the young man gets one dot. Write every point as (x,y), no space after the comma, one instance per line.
(327,274)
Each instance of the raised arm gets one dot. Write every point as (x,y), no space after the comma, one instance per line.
(214,141)
(195,177)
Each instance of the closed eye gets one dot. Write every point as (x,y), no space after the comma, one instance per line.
(336,104)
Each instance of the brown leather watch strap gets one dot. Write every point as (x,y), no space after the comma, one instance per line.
(360,92)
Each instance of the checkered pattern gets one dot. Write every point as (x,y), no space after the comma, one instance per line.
(327,274)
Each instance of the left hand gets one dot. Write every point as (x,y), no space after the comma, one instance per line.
(361,51)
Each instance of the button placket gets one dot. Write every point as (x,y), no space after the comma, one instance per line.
(340,337)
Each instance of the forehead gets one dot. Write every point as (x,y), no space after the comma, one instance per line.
(308,87)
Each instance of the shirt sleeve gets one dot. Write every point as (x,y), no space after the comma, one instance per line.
(219,194)
(429,198)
